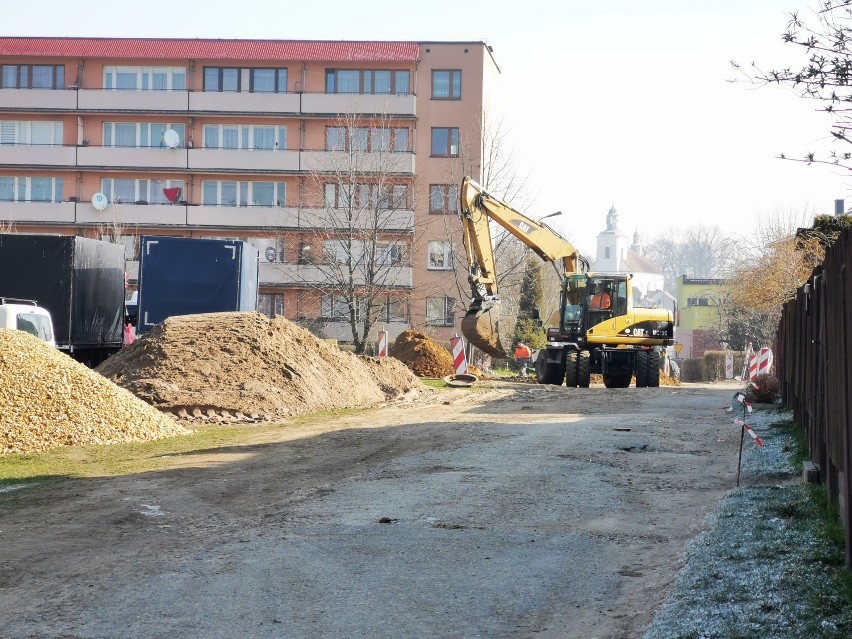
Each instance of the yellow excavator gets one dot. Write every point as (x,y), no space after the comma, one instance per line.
(596,330)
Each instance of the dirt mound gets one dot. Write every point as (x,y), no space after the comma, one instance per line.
(48,400)
(423,355)
(246,367)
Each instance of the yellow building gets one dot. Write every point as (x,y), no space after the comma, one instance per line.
(698,318)
(244,139)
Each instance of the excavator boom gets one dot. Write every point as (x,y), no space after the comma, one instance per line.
(481,323)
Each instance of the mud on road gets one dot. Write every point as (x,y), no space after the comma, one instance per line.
(513,512)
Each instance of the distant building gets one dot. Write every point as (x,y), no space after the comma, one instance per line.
(617,255)
(697,320)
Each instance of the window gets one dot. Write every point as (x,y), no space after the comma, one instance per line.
(391,255)
(232,193)
(141,134)
(443,198)
(335,307)
(445,142)
(145,78)
(375,139)
(245,136)
(254,80)
(271,250)
(367,81)
(606,253)
(440,256)
(446,85)
(33,76)
(30,189)
(130,190)
(440,311)
(389,197)
(270,304)
(30,133)
(698,301)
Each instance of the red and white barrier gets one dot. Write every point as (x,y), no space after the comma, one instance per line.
(383,344)
(459,356)
(752,366)
(748,429)
(764,361)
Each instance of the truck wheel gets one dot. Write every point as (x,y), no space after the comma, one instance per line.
(641,369)
(583,364)
(571,369)
(548,373)
(654,369)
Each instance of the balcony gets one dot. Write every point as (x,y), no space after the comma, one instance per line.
(309,275)
(129,215)
(335,104)
(259,160)
(42,156)
(37,100)
(252,217)
(38,212)
(332,161)
(109,100)
(156,158)
(342,331)
(389,222)
(243,102)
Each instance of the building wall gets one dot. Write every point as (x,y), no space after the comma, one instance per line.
(82,161)
(696,320)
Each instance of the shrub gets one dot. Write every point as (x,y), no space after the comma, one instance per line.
(763,389)
(714,366)
(692,370)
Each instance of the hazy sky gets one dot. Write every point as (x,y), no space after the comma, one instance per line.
(608,102)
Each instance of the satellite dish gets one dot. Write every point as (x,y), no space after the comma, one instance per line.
(100,201)
(171,138)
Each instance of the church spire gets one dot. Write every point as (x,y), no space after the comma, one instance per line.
(612,219)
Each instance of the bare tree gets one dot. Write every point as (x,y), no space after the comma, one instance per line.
(825,76)
(699,251)
(362,231)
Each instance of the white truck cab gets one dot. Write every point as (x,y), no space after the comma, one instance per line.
(26,315)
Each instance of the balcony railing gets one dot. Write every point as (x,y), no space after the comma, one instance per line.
(276,273)
(206,102)
(39,155)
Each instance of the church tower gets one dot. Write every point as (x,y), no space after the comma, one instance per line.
(612,245)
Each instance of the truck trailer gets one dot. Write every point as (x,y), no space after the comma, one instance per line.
(185,276)
(79,281)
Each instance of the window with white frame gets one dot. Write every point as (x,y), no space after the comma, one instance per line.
(245,136)
(374,139)
(391,254)
(149,191)
(440,256)
(443,198)
(270,304)
(30,189)
(33,76)
(30,132)
(234,193)
(145,78)
(367,81)
(440,311)
(141,134)
(336,307)
(254,80)
(388,197)
(446,84)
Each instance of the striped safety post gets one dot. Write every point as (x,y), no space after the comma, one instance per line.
(459,356)
(383,344)
(764,361)
(752,366)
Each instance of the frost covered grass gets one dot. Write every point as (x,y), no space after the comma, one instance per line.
(771,563)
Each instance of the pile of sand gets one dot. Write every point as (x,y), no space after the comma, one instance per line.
(47,400)
(423,355)
(246,367)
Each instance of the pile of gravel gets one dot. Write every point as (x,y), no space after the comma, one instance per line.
(423,355)
(47,400)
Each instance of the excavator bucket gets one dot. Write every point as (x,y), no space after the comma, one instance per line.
(481,327)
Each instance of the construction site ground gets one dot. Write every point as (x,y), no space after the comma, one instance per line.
(503,510)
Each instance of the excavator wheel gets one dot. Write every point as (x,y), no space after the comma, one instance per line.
(571,369)
(584,376)
(546,372)
(641,369)
(654,369)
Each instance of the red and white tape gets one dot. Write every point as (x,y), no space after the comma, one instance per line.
(748,429)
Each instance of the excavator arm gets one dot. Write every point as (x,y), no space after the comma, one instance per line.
(478,208)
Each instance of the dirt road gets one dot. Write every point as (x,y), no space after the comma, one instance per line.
(516,512)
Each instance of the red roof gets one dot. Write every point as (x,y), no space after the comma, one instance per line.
(194,49)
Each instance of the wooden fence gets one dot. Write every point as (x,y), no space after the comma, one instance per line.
(814,353)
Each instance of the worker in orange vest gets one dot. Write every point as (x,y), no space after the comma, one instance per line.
(600,300)
(523,354)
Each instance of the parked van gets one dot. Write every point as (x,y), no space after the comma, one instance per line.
(26,315)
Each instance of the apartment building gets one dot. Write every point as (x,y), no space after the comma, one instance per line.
(324,155)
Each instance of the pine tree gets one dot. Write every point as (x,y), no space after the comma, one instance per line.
(527,329)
